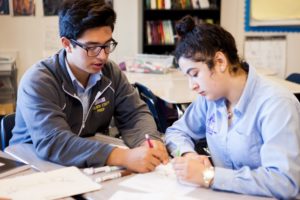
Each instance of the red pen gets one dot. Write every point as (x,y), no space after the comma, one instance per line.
(149,141)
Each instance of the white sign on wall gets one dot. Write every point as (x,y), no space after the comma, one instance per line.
(266,52)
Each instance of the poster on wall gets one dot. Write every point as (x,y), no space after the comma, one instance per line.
(4,7)
(51,7)
(24,7)
(265,15)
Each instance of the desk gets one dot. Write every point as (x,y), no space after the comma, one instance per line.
(291,86)
(8,80)
(25,172)
(110,187)
(173,87)
(26,153)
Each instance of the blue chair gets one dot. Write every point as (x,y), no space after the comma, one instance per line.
(294,77)
(155,107)
(7,124)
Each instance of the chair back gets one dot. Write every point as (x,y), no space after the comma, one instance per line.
(294,77)
(7,124)
(153,103)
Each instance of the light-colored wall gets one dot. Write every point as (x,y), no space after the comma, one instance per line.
(232,19)
(27,35)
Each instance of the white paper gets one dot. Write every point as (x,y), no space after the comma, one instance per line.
(162,180)
(124,195)
(267,53)
(55,184)
(51,38)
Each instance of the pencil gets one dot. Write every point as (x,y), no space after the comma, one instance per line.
(94,170)
(149,141)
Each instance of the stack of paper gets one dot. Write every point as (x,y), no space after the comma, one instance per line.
(55,184)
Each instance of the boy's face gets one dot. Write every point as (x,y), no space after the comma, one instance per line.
(80,60)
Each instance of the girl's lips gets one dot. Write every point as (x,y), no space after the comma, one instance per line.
(202,93)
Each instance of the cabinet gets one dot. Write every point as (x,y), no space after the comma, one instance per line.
(8,84)
(160,16)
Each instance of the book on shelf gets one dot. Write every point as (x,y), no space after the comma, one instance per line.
(10,167)
(179,4)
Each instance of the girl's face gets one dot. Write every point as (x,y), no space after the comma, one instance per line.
(206,82)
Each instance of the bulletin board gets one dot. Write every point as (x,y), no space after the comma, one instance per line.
(267,53)
(272,15)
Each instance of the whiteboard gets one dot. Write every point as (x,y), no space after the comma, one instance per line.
(266,52)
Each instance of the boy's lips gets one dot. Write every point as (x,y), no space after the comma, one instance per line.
(97,65)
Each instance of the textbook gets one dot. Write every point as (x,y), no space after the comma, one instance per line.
(9,167)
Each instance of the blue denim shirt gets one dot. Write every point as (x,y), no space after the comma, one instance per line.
(259,153)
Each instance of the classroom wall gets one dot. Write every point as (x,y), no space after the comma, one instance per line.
(232,19)
(28,35)
(36,37)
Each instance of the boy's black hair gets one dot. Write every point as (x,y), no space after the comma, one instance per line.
(77,16)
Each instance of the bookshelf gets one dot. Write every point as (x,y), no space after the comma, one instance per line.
(159,17)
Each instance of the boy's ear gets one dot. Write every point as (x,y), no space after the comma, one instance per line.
(221,61)
(66,44)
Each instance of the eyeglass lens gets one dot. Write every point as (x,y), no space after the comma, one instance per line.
(108,48)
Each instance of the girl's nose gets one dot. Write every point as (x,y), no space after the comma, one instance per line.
(193,84)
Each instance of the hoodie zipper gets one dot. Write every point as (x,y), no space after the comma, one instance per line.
(98,95)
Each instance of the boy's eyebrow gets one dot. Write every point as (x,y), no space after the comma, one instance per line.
(97,43)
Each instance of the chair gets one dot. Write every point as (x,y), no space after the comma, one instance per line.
(294,77)
(153,103)
(7,124)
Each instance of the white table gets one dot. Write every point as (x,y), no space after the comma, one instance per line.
(26,152)
(173,87)
(291,86)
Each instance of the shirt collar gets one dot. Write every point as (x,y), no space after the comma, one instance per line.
(248,91)
(91,82)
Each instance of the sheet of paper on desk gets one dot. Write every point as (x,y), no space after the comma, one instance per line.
(55,184)
(162,180)
(124,195)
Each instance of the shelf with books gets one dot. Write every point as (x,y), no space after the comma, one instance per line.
(159,21)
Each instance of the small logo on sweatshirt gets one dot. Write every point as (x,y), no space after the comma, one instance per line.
(100,105)
(101,100)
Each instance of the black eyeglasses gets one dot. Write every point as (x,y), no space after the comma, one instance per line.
(94,50)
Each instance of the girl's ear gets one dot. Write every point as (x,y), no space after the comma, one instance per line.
(221,61)
(66,44)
